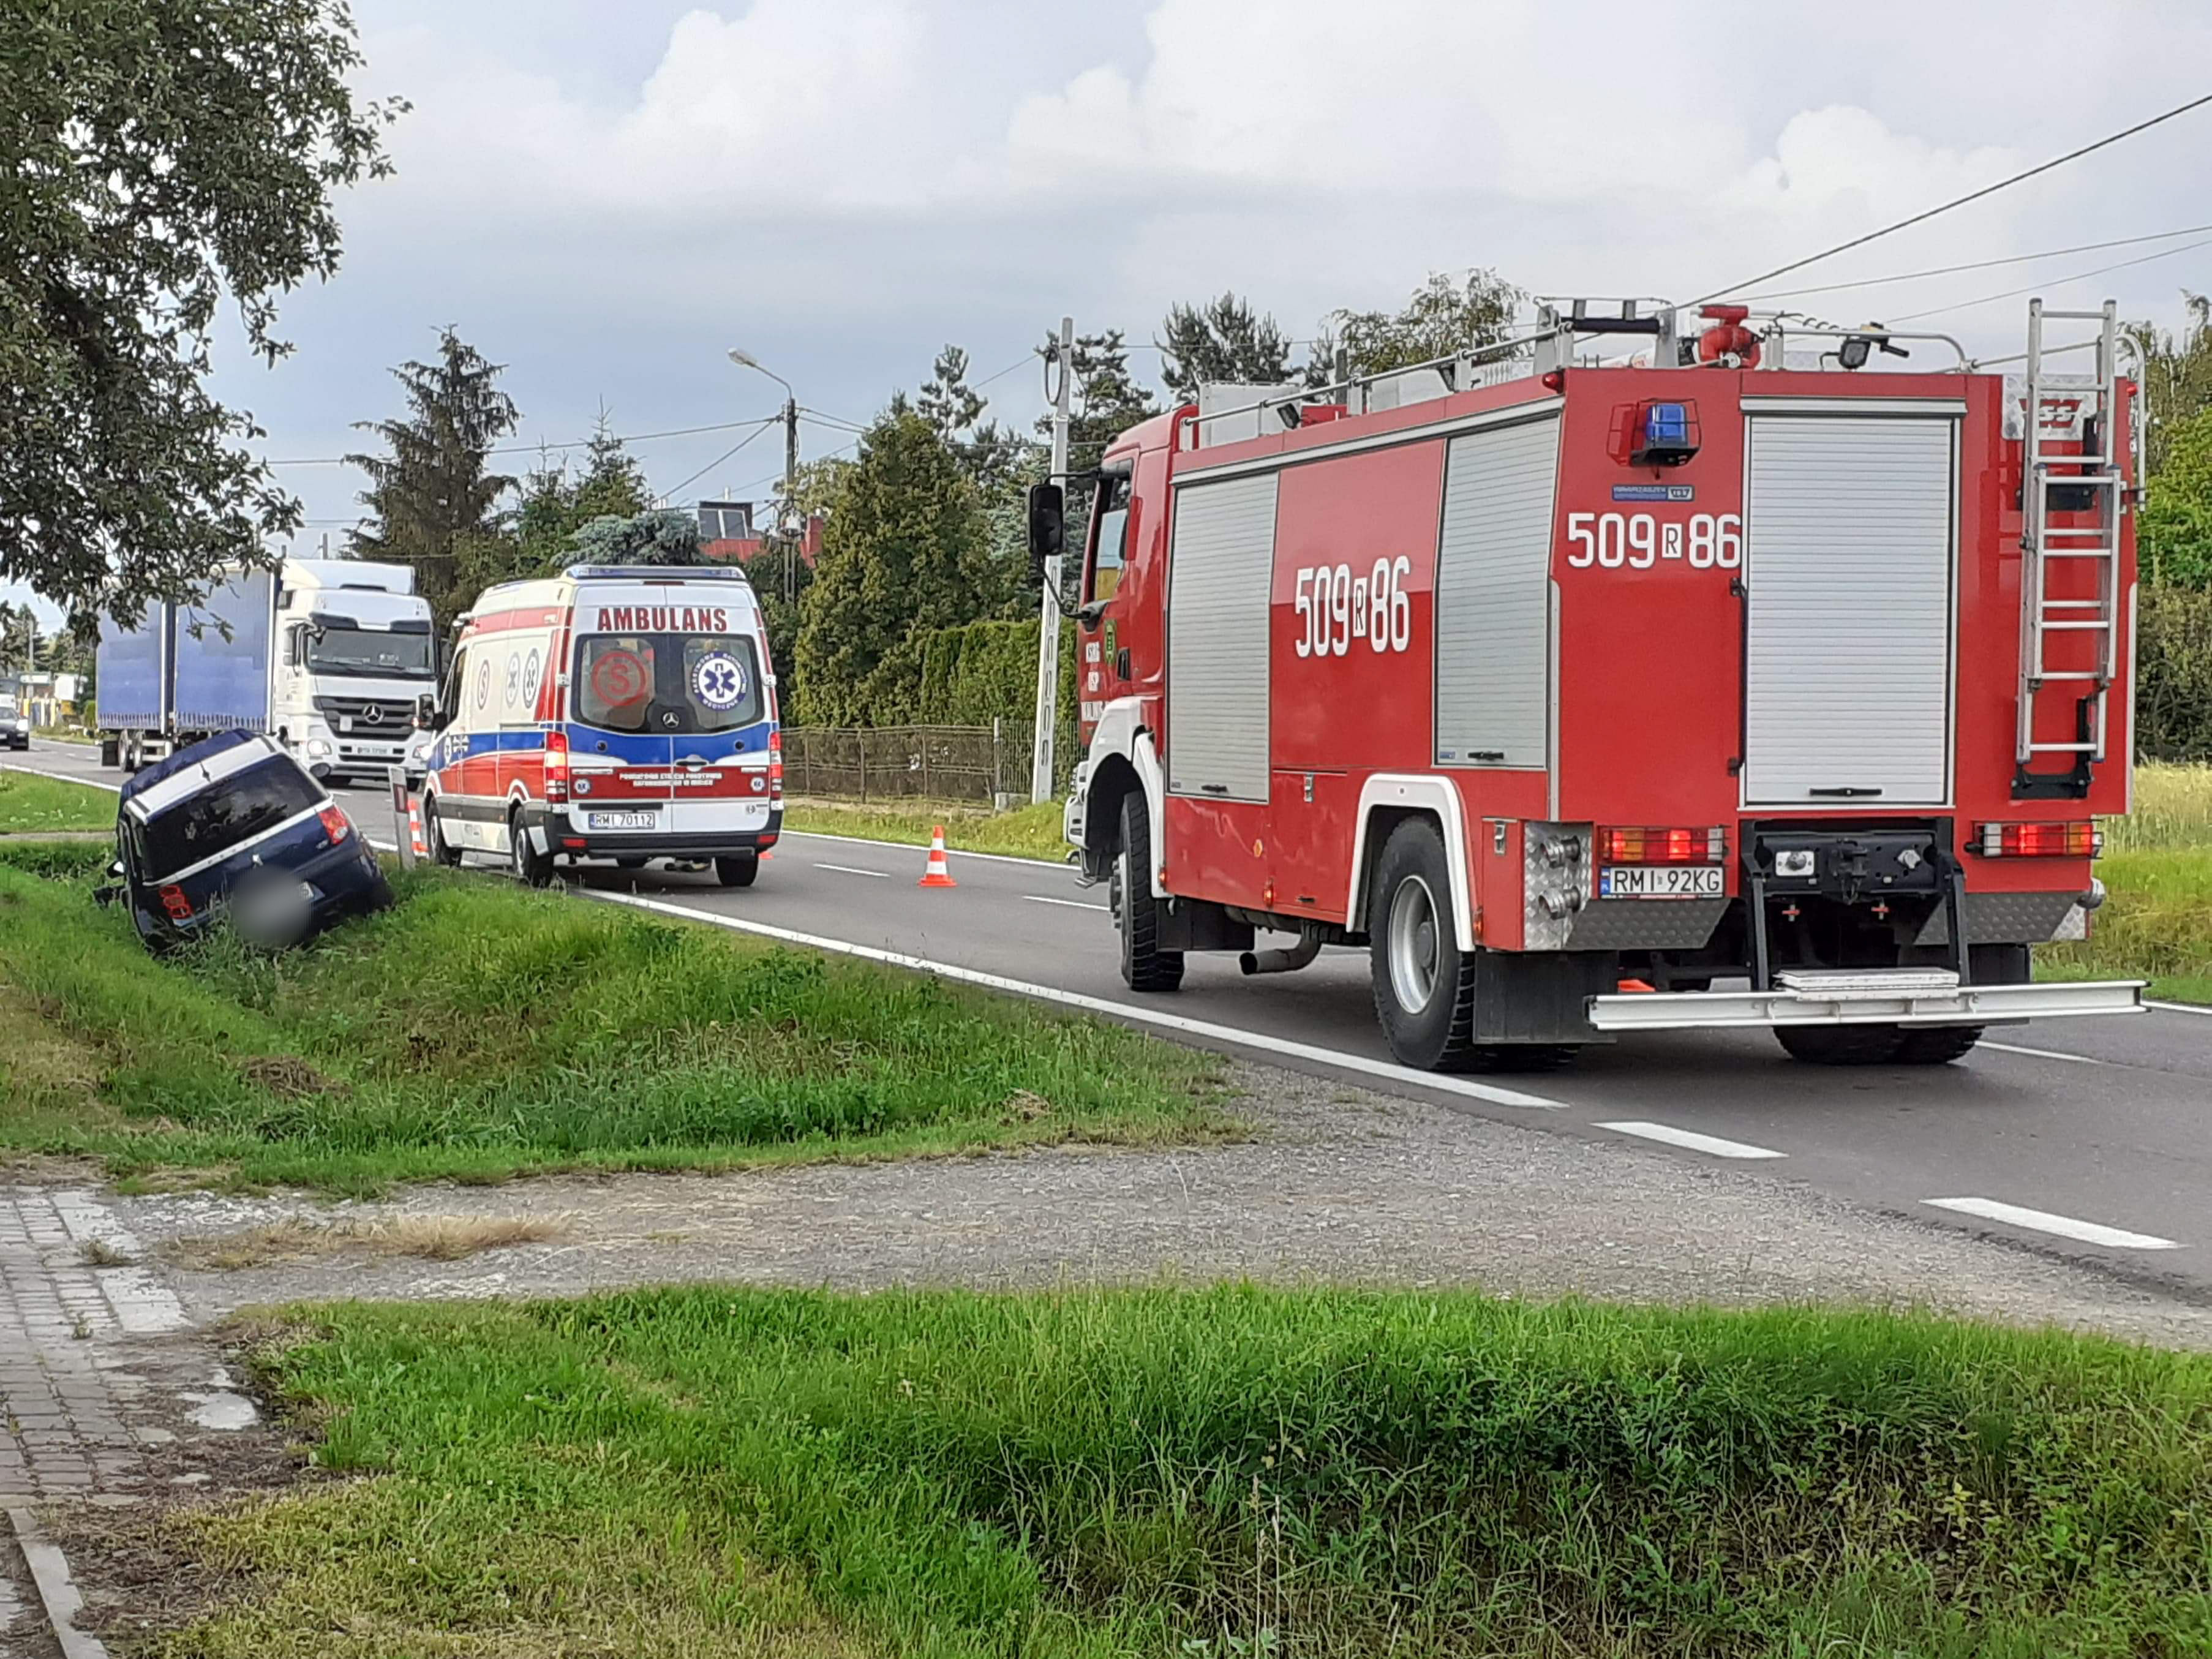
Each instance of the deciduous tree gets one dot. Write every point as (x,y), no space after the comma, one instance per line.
(1441,317)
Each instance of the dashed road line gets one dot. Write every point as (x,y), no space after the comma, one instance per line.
(1309,1053)
(1069,904)
(854,870)
(2042,1054)
(2042,1221)
(1691,1140)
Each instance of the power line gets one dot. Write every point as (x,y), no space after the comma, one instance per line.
(671,494)
(1976,264)
(1970,196)
(775,477)
(580,443)
(2053,281)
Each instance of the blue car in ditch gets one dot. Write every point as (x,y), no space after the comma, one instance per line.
(233,826)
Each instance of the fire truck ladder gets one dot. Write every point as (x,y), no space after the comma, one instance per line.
(2072,484)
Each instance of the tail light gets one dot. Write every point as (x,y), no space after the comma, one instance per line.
(775,764)
(335,824)
(2080,839)
(1662,845)
(557,766)
(174,901)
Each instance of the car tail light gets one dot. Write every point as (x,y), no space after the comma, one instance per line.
(557,766)
(1662,845)
(2079,839)
(775,764)
(174,901)
(335,824)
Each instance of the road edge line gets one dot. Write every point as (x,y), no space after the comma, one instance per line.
(56,1585)
(923,846)
(1123,1011)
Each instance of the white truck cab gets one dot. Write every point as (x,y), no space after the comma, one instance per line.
(355,649)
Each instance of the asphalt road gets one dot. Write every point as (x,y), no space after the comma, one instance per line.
(2089,1139)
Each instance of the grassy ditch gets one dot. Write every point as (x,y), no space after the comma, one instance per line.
(478,1031)
(1028,832)
(2157,870)
(32,805)
(1227,1472)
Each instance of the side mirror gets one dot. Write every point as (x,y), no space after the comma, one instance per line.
(1048,524)
(426,713)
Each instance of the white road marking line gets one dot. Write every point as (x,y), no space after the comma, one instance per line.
(1128,1012)
(63,777)
(854,870)
(2041,1053)
(2042,1221)
(2179,1008)
(1692,1139)
(923,846)
(1071,904)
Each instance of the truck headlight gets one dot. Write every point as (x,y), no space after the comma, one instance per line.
(318,747)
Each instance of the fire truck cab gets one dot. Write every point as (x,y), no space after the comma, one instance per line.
(1758,687)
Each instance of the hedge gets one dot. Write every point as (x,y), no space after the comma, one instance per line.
(2173,673)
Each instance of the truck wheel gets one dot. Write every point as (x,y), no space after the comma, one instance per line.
(1841,1045)
(1936,1045)
(1145,966)
(530,867)
(1424,983)
(441,851)
(737,870)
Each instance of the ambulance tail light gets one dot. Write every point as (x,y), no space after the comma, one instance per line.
(775,764)
(557,766)
(1649,846)
(2079,839)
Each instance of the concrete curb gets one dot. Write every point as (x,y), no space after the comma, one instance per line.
(58,1591)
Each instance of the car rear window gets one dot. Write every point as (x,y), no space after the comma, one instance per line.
(234,809)
(676,684)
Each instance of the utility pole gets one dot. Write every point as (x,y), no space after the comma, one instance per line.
(791,532)
(1048,686)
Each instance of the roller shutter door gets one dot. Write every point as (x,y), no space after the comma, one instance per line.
(1847,530)
(1493,597)
(1220,565)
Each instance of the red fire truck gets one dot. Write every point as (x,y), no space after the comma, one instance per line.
(1765,686)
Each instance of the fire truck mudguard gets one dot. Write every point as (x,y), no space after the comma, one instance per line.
(1743,681)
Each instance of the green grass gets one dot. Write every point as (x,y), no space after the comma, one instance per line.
(30,805)
(1228,1472)
(1029,832)
(480,1031)
(2157,870)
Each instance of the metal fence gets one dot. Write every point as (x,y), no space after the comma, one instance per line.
(906,763)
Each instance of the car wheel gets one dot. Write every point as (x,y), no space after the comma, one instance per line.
(433,835)
(1145,966)
(532,867)
(1936,1045)
(1840,1045)
(631,861)
(737,870)
(1424,983)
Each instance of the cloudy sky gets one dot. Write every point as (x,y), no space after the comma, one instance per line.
(605,195)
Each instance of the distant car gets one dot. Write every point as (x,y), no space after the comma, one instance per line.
(235,826)
(14,724)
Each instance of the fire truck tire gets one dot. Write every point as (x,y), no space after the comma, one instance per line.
(441,850)
(1145,966)
(738,872)
(1840,1045)
(1424,983)
(532,867)
(1937,1045)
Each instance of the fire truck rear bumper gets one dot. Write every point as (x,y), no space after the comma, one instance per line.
(1899,997)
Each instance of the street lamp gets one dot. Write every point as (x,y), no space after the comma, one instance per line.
(744,359)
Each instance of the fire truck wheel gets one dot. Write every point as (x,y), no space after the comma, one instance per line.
(441,851)
(1424,984)
(1145,966)
(1840,1045)
(1937,1045)
(737,871)
(532,867)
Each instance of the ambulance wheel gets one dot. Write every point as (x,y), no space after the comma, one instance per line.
(1145,966)
(1936,1045)
(737,870)
(433,835)
(1424,982)
(532,867)
(1841,1045)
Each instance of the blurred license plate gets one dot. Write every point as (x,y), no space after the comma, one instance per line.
(623,820)
(1660,881)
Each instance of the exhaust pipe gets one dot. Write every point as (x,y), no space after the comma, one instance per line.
(1282,962)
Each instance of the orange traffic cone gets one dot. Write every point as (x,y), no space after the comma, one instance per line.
(939,874)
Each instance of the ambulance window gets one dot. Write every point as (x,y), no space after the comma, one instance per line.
(1111,516)
(672,684)
(614,681)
